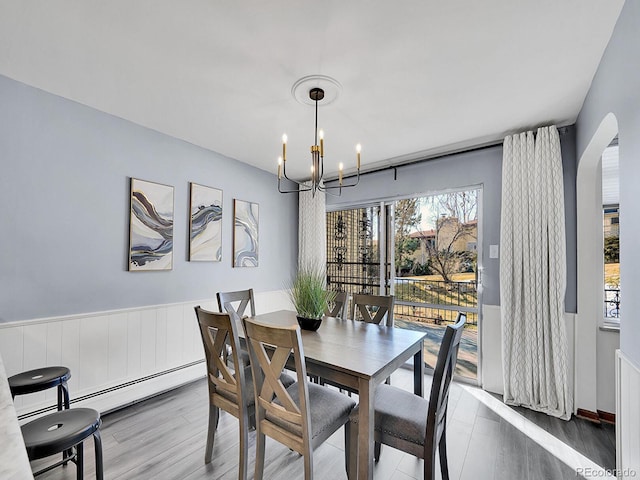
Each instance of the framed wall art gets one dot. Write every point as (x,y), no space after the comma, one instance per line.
(245,234)
(205,224)
(150,226)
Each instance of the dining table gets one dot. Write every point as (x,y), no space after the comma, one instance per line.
(358,356)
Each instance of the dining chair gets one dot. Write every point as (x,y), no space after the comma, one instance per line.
(236,303)
(411,423)
(300,416)
(373,308)
(227,389)
(338,308)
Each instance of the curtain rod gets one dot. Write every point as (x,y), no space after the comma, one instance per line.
(561,131)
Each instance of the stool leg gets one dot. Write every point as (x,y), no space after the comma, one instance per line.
(65,392)
(97,445)
(63,401)
(79,461)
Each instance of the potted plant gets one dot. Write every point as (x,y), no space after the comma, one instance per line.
(310,296)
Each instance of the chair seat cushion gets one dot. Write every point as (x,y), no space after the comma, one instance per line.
(399,414)
(59,431)
(328,410)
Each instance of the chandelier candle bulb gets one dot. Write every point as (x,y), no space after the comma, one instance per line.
(358,149)
(284,147)
(340,166)
(279,168)
(321,135)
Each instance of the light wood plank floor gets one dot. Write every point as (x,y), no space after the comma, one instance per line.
(164,438)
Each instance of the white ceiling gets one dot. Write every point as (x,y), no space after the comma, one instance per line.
(418,77)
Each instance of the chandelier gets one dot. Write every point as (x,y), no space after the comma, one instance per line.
(315,183)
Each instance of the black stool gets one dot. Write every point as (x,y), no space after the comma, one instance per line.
(61,432)
(42,379)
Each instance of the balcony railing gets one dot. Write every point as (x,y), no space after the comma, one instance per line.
(435,301)
(612,302)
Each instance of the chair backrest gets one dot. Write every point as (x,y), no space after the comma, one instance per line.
(242,298)
(373,308)
(277,413)
(338,308)
(445,367)
(219,330)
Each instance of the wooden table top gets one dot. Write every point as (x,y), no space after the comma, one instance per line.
(356,348)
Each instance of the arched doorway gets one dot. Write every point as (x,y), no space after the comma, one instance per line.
(590,286)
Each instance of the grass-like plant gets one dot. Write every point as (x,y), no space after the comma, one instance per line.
(309,293)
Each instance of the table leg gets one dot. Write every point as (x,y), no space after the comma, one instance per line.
(365,430)
(418,371)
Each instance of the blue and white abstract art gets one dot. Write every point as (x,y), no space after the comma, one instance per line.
(205,224)
(150,226)
(245,234)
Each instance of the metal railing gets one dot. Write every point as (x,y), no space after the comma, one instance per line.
(431,314)
(612,302)
(435,301)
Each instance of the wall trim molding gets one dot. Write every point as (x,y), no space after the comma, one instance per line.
(76,316)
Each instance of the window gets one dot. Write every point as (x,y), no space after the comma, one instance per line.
(611,232)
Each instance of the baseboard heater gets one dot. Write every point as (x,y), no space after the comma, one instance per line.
(112,389)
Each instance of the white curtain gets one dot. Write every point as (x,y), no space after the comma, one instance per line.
(312,230)
(533,274)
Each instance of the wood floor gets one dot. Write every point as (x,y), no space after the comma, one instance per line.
(164,438)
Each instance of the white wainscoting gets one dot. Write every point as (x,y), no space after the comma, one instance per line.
(115,357)
(627,417)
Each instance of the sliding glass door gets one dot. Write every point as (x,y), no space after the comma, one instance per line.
(425,251)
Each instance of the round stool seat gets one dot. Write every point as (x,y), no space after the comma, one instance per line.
(59,431)
(38,379)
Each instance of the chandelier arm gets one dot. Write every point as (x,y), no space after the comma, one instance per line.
(284,173)
(302,187)
(335,187)
(328,191)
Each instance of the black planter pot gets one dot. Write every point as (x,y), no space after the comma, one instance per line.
(309,323)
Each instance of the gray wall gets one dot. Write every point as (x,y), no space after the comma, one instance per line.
(64,211)
(478,167)
(616,89)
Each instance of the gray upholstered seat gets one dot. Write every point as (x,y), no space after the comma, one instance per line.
(329,411)
(400,415)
